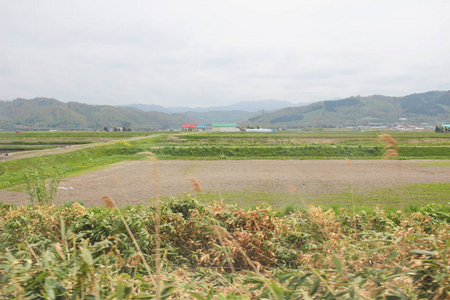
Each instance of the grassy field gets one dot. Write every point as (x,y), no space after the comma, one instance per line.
(302,145)
(282,145)
(390,199)
(39,140)
(390,243)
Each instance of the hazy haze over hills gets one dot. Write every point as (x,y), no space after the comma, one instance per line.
(248,106)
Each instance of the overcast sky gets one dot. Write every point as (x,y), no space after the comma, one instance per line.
(204,53)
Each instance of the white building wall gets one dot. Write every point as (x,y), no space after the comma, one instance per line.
(226,129)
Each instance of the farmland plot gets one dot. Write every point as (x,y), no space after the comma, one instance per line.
(253,182)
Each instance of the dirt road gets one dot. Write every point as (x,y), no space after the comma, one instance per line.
(134,182)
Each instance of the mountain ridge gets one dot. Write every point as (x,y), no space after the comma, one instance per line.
(429,107)
(51,113)
(248,106)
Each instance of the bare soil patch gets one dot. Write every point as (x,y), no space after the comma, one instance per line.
(134,182)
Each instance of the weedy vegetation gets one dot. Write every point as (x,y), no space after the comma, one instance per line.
(218,251)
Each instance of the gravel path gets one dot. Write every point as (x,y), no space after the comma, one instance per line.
(134,182)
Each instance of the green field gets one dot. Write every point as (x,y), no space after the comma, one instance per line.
(391,199)
(215,146)
(301,145)
(40,140)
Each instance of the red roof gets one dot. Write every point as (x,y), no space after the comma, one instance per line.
(189,126)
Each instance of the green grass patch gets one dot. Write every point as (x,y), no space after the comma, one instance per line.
(435,163)
(245,198)
(300,152)
(397,197)
(391,199)
(71,163)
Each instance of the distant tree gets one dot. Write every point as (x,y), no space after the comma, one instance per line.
(105,128)
(442,129)
(126,128)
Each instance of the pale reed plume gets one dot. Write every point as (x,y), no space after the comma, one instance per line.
(390,149)
(348,162)
(108,202)
(196,187)
(292,188)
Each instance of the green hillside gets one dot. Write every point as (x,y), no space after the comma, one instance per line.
(431,107)
(53,114)
(44,113)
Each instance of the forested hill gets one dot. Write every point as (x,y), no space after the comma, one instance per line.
(54,114)
(430,107)
(47,113)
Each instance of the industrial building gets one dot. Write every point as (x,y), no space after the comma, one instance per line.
(214,127)
(225,127)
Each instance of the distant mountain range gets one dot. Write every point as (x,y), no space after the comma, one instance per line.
(47,113)
(247,106)
(50,113)
(430,107)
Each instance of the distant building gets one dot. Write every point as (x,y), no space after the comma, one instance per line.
(201,127)
(224,127)
(259,130)
(189,127)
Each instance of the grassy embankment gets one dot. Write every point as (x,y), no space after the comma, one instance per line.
(73,163)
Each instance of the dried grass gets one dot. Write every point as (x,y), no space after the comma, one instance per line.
(390,149)
(196,187)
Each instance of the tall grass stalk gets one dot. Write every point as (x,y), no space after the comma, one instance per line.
(110,203)
(294,190)
(391,150)
(240,248)
(227,254)
(157,198)
(349,166)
